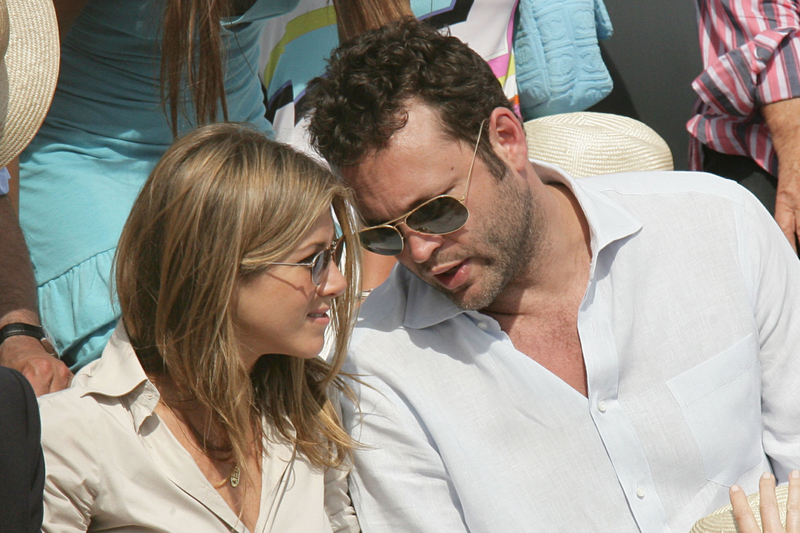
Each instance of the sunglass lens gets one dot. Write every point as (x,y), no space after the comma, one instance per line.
(338,252)
(383,240)
(321,261)
(439,216)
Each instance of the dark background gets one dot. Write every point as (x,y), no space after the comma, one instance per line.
(653,57)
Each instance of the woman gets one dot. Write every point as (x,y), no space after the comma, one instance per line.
(209,410)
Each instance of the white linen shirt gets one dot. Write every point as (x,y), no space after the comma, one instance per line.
(112,465)
(690,330)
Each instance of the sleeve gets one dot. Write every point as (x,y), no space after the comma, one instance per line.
(775,292)
(751,54)
(399,481)
(337,500)
(21,463)
(70,451)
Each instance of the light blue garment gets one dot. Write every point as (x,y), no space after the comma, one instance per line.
(559,67)
(105,131)
(4,177)
(688,329)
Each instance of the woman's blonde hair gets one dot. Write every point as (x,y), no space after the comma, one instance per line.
(222,201)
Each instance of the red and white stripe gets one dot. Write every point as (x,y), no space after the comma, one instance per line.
(751,57)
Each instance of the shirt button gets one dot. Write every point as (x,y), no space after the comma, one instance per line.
(640,492)
(482,326)
(601,406)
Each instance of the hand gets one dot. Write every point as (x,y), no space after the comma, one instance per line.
(783,120)
(45,372)
(770,516)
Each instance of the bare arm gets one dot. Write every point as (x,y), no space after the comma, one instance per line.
(18,304)
(783,119)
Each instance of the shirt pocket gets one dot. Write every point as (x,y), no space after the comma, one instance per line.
(721,402)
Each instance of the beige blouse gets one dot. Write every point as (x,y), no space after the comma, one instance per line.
(113,466)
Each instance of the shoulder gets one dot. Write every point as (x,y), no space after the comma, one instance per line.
(18,410)
(14,389)
(646,184)
(72,414)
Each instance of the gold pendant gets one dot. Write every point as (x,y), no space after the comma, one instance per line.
(235,476)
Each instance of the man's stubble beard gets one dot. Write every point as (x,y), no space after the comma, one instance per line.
(506,246)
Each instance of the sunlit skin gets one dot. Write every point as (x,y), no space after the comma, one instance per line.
(536,300)
(768,507)
(280,311)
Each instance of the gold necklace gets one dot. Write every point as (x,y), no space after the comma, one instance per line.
(235,474)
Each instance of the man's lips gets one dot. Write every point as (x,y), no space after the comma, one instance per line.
(443,268)
(451,275)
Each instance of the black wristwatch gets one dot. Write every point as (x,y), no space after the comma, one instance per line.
(29,330)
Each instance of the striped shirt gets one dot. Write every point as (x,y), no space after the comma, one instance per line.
(751,56)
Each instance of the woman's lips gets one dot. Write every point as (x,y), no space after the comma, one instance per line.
(319,317)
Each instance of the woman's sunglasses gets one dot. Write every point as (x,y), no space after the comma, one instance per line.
(438,216)
(319,263)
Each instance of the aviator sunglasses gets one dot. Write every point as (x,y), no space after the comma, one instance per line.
(441,215)
(319,263)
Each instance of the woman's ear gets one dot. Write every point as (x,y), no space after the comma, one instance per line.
(508,137)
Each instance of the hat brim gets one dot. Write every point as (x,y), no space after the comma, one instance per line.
(591,144)
(28,73)
(723,521)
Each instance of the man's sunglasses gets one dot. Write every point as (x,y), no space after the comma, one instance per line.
(441,215)
(320,262)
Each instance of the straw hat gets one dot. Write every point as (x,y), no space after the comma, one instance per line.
(722,521)
(590,144)
(29,54)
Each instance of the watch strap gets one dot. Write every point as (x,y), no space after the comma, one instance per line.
(20,328)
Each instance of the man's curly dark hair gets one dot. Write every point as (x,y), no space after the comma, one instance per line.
(362,99)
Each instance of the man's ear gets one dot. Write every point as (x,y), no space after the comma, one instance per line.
(508,137)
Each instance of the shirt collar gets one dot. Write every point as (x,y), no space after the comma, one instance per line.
(608,222)
(119,374)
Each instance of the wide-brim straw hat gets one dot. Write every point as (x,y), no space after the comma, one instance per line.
(29,56)
(590,144)
(722,520)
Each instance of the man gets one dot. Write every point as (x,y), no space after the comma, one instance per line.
(28,75)
(746,124)
(551,355)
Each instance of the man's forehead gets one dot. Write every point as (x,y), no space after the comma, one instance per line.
(418,163)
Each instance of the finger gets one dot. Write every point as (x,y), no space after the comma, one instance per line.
(770,516)
(742,512)
(788,221)
(62,377)
(39,382)
(793,503)
(796,240)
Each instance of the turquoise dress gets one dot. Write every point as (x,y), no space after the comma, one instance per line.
(104,133)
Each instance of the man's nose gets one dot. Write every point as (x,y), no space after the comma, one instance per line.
(420,246)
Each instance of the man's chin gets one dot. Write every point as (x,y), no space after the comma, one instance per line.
(469,298)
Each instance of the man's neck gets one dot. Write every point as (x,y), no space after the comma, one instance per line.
(559,269)
(539,310)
